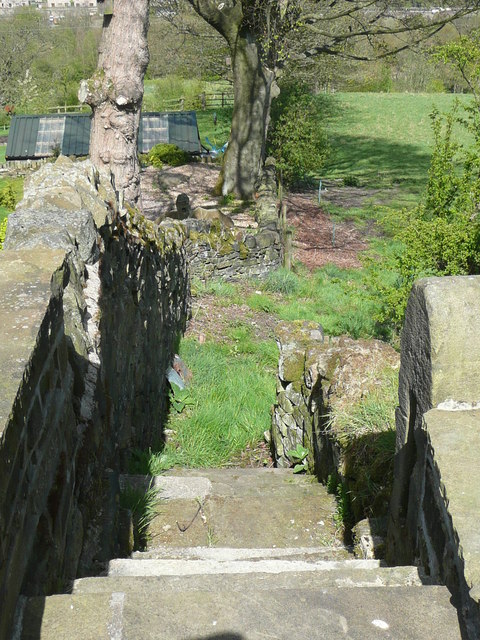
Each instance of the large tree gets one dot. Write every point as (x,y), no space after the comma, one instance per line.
(255,33)
(115,93)
(261,34)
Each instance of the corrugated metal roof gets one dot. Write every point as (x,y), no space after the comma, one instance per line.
(76,139)
(183,131)
(38,136)
(22,137)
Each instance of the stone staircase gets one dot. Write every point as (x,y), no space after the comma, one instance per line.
(259,558)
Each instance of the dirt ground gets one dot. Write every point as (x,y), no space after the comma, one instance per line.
(317,240)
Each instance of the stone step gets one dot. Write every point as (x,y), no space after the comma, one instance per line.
(309,554)
(135,567)
(240,508)
(400,613)
(342,576)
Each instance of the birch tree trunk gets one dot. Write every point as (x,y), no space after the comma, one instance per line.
(115,93)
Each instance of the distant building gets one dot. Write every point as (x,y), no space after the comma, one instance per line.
(67,4)
(48,4)
(42,136)
(14,4)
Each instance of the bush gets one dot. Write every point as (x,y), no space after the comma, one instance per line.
(169,154)
(351,181)
(441,236)
(7,198)
(297,139)
(3,231)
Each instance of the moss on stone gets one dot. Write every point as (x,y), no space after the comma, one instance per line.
(294,366)
(243,251)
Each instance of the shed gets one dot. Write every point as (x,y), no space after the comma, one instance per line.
(33,137)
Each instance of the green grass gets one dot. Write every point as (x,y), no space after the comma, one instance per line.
(3,148)
(232,390)
(16,184)
(385,140)
(143,505)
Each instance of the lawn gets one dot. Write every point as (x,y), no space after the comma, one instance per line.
(3,148)
(385,140)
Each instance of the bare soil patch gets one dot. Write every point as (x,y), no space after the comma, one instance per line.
(318,240)
(160,187)
(212,321)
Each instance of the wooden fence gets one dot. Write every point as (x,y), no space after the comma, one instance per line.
(202,101)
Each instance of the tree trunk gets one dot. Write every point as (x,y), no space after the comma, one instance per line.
(254,87)
(115,93)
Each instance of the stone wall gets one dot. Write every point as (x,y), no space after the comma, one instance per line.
(319,378)
(436,495)
(92,306)
(215,250)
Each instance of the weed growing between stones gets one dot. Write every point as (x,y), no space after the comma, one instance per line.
(3,231)
(143,506)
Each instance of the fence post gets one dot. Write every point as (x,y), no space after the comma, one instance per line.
(223,99)
(182,104)
(287,238)
(203,98)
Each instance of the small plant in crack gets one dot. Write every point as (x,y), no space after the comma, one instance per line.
(299,457)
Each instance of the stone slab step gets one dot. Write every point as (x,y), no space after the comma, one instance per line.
(240,508)
(401,613)
(134,567)
(309,554)
(342,577)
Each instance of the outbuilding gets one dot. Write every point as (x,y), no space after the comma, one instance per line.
(41,136)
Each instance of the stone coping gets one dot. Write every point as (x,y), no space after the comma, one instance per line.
(25,292)
(454,439)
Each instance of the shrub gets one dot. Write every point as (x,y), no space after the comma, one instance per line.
(351,181)
(7,198)
(169,154)
(441,236)
(3,231)
(297,139)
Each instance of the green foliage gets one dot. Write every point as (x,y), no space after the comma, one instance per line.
(297,138)
(7,198)
(143,505)
(3,231)
(164,94)
(441,236)
(180,398)
(343,515)
(299,458)
(233,391)
(42,67)
(261,302)
(351,181)
(282,281)
(463,55)
(169,154)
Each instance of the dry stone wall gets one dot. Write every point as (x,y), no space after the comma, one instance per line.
(92,306)
(215,250)
(318,377)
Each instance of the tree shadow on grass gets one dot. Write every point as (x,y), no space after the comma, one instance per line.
(381,161)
